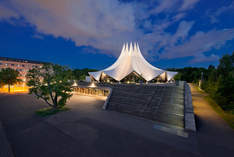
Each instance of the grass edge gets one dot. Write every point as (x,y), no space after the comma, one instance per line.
(48,111)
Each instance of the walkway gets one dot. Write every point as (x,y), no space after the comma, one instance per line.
(85,130)
(215,137)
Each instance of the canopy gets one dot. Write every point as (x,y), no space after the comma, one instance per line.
(131,60)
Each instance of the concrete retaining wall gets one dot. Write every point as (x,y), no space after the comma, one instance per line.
(189,119)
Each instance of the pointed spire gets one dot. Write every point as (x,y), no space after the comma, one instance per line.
(135,48)
(123,48)
(130,49)
(126,48)
(138,48)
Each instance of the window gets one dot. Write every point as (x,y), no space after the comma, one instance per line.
(22,65)
(12,64)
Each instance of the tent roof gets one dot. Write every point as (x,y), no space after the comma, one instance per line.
(131,60)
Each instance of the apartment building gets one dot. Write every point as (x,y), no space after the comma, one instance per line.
(21,65)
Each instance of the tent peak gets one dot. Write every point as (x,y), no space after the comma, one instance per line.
(131,59)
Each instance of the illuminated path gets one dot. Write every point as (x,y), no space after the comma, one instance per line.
(215,137)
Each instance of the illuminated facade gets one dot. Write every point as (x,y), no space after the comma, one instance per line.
(132,66)
(21,65)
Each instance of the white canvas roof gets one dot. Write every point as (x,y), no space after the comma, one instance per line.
(131,60)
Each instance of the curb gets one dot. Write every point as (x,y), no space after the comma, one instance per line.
(189,119)
(107,99)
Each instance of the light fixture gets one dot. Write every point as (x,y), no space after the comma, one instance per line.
(74,84)
(92,85)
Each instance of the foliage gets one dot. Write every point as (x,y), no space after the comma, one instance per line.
(51,83)
(218,82)
(79,74)
(9,77)
(189,74)
(225,90)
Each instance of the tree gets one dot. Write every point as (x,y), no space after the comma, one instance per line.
(79,74)
(226,64)
(9,77)
(225,96)
(51,83)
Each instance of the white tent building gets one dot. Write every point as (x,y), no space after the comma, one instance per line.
(131,61)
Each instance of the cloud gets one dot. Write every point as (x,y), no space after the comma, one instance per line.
(165,5)
(182,31)
(201,58)
(105,25)
(7,13)
(174,5)
(188,4)
(38,36)
(164,40)
(102,24)
(199,43)
(214,15)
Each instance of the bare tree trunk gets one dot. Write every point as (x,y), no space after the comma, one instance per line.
(56,101)
(9,88)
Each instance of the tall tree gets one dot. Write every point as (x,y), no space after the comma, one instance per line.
(9,77)
(225,94)
(51,83)
(226,64)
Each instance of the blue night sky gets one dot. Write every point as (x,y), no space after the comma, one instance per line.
(90,33)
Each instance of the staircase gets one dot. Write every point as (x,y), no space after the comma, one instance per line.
(162,103)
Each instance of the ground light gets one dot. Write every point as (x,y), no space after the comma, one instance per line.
(92,85)
(75,84)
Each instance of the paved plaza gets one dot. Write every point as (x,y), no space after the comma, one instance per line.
(87,130)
